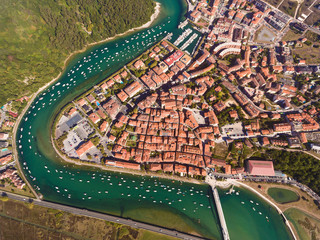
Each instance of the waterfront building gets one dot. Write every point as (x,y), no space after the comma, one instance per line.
(261,168)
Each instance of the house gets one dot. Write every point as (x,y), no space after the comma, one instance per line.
(122,96)
(227,169)
(219,106)
(265,141)
(4,136)
(103,126)
(94,118)
(233,114)
(155,167)
(167,167)
(101,113)
(138,64)
(294,142)
(112,107)
(195,16)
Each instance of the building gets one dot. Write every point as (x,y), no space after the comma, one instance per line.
(315,147)
(85,147)
(294,142)
(133,89)
(282,127)
(261,168)
(4,136)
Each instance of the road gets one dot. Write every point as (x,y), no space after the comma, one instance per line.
(106,217)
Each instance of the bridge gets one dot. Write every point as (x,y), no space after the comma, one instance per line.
(212,182)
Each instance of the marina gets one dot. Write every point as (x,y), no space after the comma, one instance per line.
(185,34)
(189,41)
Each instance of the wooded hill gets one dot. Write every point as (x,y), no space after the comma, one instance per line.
(36,36)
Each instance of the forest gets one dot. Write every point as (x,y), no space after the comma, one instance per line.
(302,167)
(36,36)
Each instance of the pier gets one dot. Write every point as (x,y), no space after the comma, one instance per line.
(183,24)
(185,34)
(189,41)
(212,182)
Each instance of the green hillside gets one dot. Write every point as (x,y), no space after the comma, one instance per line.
(36,36)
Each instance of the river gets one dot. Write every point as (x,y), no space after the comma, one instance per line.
(183,206)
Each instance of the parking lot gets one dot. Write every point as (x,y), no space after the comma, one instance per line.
(233,130)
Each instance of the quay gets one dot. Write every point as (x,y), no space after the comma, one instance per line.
(183,24)
(212,182)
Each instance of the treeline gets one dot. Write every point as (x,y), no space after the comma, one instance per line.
(37,35)
(302,167)
(77,22)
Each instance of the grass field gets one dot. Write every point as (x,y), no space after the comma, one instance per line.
(311,54)
(27,221)
(289,7)
(10,188)
(291,36)
(315,16)
(304,7)
(146,235)
(282,195)
(307,227)
(220,150)
(274,3)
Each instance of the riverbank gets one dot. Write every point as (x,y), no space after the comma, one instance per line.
(153,17)
(34,95)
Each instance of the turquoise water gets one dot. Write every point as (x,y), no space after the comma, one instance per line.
(183,206)
(249,217)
